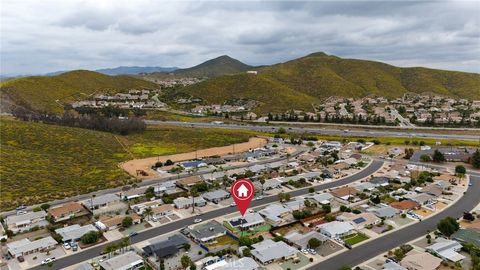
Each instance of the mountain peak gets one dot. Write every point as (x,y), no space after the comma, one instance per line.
(317,54)
(221,65)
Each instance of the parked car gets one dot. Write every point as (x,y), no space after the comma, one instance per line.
(232,204)
(197,220)
(20,258)
(304,251)
(133,234)
(66,246)
(48,260)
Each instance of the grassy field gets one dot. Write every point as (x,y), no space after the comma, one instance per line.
(41,162)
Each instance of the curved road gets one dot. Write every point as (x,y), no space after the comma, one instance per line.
(142,236)
(371,249)
(324,131)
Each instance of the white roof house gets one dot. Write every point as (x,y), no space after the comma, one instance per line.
(126,261)
(273,212)
(100,201)
(24,222)
(268,251)
(216,195)
(447,249)
(248,221)
(336,229)
(245,263)
(75,232)
(25,246)
(322,198)
(300,240)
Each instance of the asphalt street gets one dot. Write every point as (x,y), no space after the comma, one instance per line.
(142,236)
(324,131)
(371,249)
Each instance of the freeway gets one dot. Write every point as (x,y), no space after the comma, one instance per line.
(170,227)
(373,248)
(323,131)
(154,181)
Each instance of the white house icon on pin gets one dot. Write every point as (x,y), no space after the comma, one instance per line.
(242,191)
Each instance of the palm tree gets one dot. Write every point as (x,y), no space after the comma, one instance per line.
(262,181)
(193,193)
(148,212)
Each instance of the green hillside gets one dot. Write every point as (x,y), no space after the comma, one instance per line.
(318,76)
(49,93)
(41,162)
(223,65)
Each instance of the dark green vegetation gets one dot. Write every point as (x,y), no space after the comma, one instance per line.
(222,65)
(50,93)
(317,76)
(448,226)
(41,162)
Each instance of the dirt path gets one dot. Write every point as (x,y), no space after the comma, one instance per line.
(145,164)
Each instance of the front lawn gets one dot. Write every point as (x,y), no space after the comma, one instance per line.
(354,238)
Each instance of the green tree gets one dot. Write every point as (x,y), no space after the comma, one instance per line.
(186,246)
(247,252)
(186,261)
(45,206)
(314,243)
(91,237)
(460,169)
(148,212)
(311,190)
(330,217)
(438,156)
(425,158)
(476,159)
(127,222)
(448,226)
(150,192)
(326,208)
(169,162)
(262,181)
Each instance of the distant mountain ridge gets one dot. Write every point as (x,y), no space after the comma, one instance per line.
(222,65)
(312,78)
(134,70)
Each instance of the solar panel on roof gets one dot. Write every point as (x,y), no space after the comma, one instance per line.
(359,220)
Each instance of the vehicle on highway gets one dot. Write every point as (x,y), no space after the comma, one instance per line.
(133,234)
(197,220)
(232,204)
(470,184)
(48,260)
(259,197)
(217,122)
(346,130)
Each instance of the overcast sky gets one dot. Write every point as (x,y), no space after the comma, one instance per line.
(45,36)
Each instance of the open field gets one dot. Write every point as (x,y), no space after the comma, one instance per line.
(163,150)
(41,162)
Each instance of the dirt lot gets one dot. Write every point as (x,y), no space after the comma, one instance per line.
(146,163)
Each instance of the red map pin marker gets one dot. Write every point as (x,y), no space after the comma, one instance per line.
(242,192)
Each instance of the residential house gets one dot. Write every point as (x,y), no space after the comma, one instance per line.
(336,229)
(74,232)
(405,205)
(133,193)
(250,220)
(112,223)
(268,185)
(195,164)
(67,211)
(423,198)
(298,203)
(162,210)
(467,236)
(165,187)
(207,232)
(183,203)
(344,193)
(126,261)
(274,213)
(300,240)
(25,246)
(380,181)
(213,176)
(421,261)
(140,208)
(216,196)
(393,266)
(244,263)
(384,212)
(269,251)
(447,249)
(166,248)
(188,182)
(24,222)
(359,221)
(322,198)
(100,201)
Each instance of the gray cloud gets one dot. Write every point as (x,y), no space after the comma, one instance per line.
(50,35)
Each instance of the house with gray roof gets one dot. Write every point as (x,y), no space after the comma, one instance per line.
(166,248)
(274,213)
(74,232)
(213,176)
(250,220)
(216,195)
(384,212)
(244,263)
(467,236)
(269,184)
(269,251)
(24,222)
(126,261)
(100,201)
(182,202)
(380,181)
(300,240)
(25,246)
(322,198)
(207,232)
